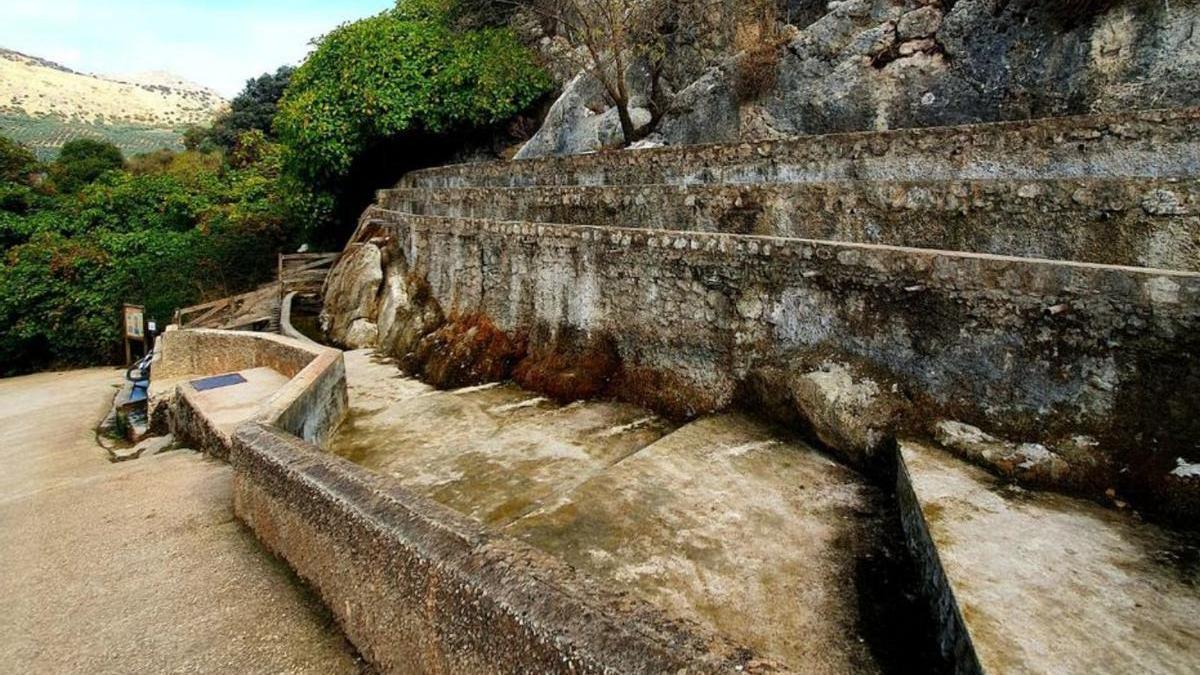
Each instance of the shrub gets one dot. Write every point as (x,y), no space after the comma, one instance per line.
(82,161)
(402,71)
(759,42)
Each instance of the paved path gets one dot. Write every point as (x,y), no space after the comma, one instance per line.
(134,567)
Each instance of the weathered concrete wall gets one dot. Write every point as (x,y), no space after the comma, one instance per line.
(1140,222)
(311,405)
(285,320)
(1032,350)
(419,588)
(954,640)
(1154,143)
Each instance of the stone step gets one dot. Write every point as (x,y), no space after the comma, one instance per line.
(1031,582)
(1126,221)
(492,453)
(725,523)
(1144,143)
(1031,351)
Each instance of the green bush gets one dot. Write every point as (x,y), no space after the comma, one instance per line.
(404,71)
(82,161)
(178,229)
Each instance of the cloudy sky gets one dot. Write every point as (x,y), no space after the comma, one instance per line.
(217,43)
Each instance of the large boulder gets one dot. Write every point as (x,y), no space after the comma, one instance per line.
(351,297)
(407,310)
(880,64)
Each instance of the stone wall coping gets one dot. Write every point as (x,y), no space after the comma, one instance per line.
(1049,126)
(767,246)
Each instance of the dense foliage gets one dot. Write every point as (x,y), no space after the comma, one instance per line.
(396,91)
(405,70)
(171,230)
(252,110)
(90,231)
(82,161)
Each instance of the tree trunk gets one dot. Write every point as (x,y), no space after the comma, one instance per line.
(627,128)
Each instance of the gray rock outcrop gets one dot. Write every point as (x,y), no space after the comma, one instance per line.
(881,64)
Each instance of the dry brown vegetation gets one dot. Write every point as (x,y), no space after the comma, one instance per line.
(572,373)
(466,350)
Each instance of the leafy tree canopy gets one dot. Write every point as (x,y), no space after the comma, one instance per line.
(82,161)
(17,163)
(253,110)
(412,69)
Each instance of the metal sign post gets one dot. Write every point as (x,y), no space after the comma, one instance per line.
(133,328)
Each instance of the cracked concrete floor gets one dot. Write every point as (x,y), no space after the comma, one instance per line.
(139,566)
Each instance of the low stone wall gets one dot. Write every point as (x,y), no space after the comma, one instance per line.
(1147,143)
(1139,222)
(416,586)
(419,588)
(1037,351)
(954,640)
(311,405)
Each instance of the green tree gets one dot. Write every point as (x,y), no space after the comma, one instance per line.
(17,163)
(407,70)
(82,161)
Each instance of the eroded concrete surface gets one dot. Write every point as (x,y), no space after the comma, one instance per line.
(138,566)
(231,405)
(721,521)
(1047,583)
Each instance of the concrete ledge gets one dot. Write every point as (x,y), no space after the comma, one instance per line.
(1120,221)
(1141,143)
(1035,582)
(954,640)
(419,588)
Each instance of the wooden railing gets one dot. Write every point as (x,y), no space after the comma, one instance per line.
(304,273)
(217,313)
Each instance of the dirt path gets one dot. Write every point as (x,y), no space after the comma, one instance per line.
(134,567)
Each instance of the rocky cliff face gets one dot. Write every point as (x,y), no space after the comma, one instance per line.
(880,64)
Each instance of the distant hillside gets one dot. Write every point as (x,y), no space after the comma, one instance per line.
(44,104)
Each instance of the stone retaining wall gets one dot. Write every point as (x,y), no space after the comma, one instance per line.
(1140,222)
(1036,351)
(1148,143)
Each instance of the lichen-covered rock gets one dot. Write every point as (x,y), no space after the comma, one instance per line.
(349,312)
(1031,462)
(581,120)
(877,64)
(407,310)
(847,410)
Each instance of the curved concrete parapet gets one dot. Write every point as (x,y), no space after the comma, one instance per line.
(299,387)
(416,586)
(285,321)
